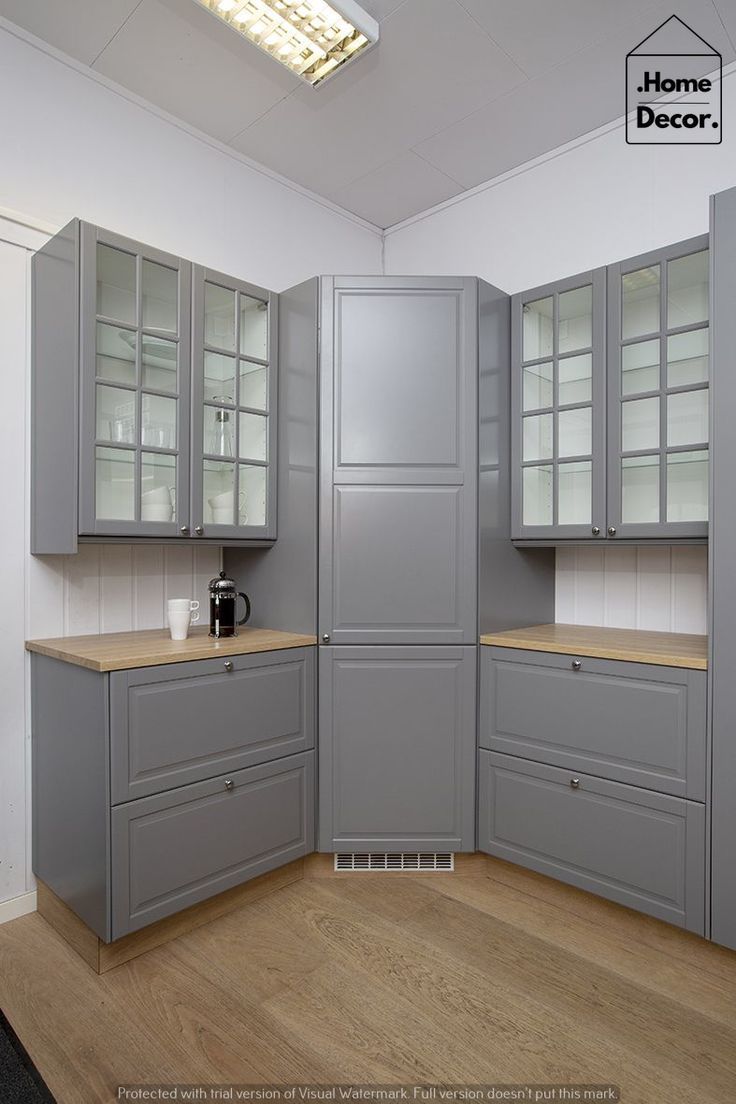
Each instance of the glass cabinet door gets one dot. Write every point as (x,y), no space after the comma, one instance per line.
(134,468)
(233,472)
(558,423)
(658,393)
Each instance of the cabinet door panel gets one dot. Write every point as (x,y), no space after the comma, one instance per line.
(397,739)
(183,722)
(399,448)
(234,405)
(558,389)
(174,850)
(135,378)
(658,431)
(630,722)
(641,849)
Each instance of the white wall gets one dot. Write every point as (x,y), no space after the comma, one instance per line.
(73,147)
(587,204)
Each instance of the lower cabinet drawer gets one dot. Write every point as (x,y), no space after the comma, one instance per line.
(176,849)
(641,849)
(631,722)
(184,722)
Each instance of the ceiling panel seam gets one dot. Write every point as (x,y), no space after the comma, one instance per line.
(725,28)
(115,35)
(496,43)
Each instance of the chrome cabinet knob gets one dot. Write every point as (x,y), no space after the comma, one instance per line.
(325,638)
(574,782)
(198,530)
(228,665)
(229,783)
(184,530)
(596,530)
(577,664)
(612,530)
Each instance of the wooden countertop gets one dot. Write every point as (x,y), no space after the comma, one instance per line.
(118,651)
(632,645)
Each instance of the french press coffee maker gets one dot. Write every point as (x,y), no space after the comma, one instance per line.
(223,599)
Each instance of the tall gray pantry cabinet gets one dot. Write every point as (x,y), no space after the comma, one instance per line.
(387,373)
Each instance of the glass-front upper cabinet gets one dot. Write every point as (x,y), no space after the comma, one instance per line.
(558,399)
(135,356)
(234,403)
(658,420)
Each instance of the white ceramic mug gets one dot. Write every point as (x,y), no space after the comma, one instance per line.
(221,506)
(181,612)
(162,496)
(156,511)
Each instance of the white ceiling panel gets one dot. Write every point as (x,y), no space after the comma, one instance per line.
(431,66)
(80,28)
(396,190)
(180,57)
(379,9)
(578,96)
(539,35)
(727,11)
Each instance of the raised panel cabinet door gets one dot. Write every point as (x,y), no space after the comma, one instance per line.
(658,393)
(134,344)
(558,397)
(179,848)
(183,722)
(638,848)
(399,456)
(630,722)
(397,749)
(234,408)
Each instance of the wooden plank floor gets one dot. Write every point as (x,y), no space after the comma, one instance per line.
(506,977)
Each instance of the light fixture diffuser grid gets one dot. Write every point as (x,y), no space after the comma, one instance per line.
(311,38)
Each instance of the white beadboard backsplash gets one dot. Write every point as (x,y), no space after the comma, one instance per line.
(116,587)
(661,589)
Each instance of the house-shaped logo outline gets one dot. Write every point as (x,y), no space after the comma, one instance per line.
(710,51)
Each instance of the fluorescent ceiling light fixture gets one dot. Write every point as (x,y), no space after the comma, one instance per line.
(310,37)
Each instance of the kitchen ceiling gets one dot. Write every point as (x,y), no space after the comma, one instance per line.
(456,92)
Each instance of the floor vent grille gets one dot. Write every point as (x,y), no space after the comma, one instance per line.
(358,861)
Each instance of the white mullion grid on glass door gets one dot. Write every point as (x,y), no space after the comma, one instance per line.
(663,277)
(138,463)
(555,407)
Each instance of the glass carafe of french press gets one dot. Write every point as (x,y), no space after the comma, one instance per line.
(223,599)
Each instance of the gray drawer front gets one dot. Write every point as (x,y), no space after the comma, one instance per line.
(642,849)
(176,849)
(631,722)
(183,722)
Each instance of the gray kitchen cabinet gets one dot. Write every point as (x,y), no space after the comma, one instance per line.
(642,849)
(118,433)
(175,849)
(658,405)
(234,402)
(610,407)
(558,429)
(399,458)
(629,722)
(154,788)
(397,748)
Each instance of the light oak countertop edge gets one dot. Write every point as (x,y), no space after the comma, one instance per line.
(628,645)
(154,647)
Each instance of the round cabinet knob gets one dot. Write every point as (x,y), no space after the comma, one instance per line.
(184,530)
(228,666)
(577,664)
(596,530)
(612,530)
(574,782)
(325,638)
(198,530)
(229,783)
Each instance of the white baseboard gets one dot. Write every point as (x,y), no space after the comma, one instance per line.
(17,906)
